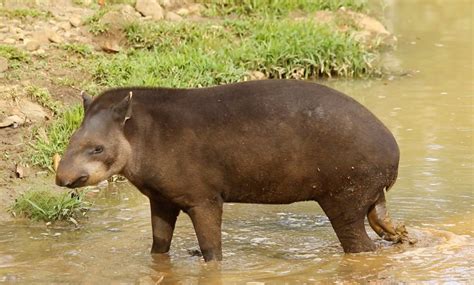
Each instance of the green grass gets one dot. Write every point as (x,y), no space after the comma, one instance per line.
(261,8)
(15,56)
(54,139)
(24,13)
(96,27)
(44,98)
(77,48)
(197,54)
(48,206)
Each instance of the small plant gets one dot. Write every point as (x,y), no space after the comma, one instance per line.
(25,13)
(42,96)
(265,8)
(46,143)
(96,27)
(14,55)
(77,48)
(48,206)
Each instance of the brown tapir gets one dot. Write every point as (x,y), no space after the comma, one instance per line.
(269,142)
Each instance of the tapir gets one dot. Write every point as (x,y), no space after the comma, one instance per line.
(267,142)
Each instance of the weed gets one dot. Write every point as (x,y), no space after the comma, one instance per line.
(54,139)
(264,8)
(14,55)
(96,27)
(42,96)
(77,48)
(48,206)
(23,14)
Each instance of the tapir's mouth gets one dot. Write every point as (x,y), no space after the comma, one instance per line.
(79,182)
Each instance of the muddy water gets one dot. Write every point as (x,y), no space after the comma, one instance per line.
(430,111)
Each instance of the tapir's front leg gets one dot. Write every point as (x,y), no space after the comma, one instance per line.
(207,219)
(163,220)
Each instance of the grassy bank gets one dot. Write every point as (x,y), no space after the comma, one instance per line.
(185,55)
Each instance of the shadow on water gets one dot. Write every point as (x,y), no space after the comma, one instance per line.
(430,113)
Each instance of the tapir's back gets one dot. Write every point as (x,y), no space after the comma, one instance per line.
(260,138)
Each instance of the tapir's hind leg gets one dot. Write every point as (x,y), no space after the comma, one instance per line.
(348,223)
(381,223)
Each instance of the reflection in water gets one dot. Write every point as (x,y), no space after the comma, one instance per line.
(430,113)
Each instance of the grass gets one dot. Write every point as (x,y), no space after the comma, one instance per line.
(43,97)
(197,54)
(96,27)
(55,138)
(25,13)
(48,206)
(259,8)
(77,48)
(15,56)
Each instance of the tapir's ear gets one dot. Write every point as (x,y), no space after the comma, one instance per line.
(123,109)
(86,100)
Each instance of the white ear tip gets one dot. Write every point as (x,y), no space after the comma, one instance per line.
(130,95)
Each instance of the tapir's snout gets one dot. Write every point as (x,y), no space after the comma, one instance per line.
(70,180)
(72,183)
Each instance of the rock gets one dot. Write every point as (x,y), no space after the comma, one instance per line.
(9,41)
(367,23)
(110,46)
(166,3)
(75,21)
(64,25)
(195,9)
(55,38)
(256,75)
(183,12)
(33,112)
(171,16)
(3,64)
(150,8)
(118,19)
(12,121)
(20,171)
(32,45)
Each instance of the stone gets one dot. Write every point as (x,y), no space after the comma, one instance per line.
(75,21)
(32,45)
(13,121)
(9,41)
(195,9)
(3,64)
(256,75)
(183,12)
(171,16)
(55,38)
(64,25)
(150,8)
(110,46)
(166,3)
(367,23)
(119,18)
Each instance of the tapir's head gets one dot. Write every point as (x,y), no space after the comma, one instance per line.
(99,148)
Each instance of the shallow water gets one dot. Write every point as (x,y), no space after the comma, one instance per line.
(430,111)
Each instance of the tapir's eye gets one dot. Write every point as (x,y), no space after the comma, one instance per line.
(98,149)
